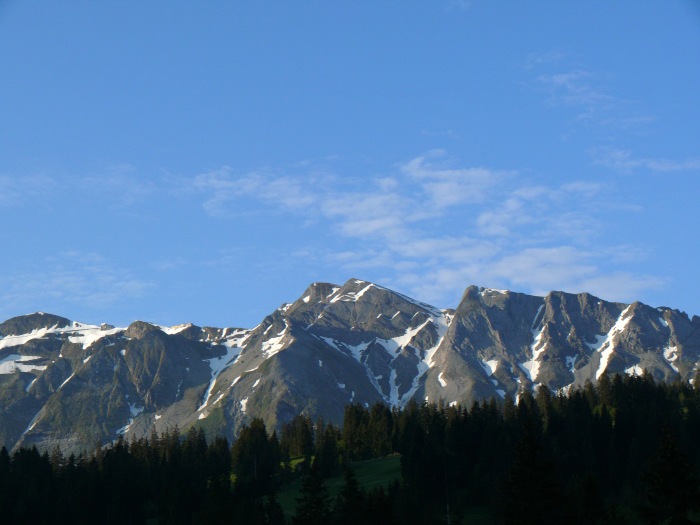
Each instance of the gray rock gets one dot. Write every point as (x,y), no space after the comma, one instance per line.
(75,386)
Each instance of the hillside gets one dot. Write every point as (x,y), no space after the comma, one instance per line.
(68,384)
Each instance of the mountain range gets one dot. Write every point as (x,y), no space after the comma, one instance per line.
(72,385)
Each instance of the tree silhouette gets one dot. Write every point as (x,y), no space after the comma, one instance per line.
(313,506)
(670,485)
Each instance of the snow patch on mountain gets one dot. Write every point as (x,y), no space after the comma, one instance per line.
(352,296)
(31,384)
(396,340)
(635,370)
(33,422)
(172,330)
(238,338)
(600,339)
(19,363)
(490,366)
(355,351)
(217,365)
(608,347)
(488,292)
(275,344)
(393,388)
(394,347)
(671,355)
(79,333)
(66,381)
(17,340)
(536,321)
(395,344)
(442,323)
(532,366)
(88,335)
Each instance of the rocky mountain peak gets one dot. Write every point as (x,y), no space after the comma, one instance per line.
(25,324)
(69,384)
(138,329)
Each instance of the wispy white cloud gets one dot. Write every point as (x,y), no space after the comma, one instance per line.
(585,92)
(548,213)
(17,191)
(431,227)
(73,278)
(120,185)
(575,88)
(427,226)
(622,286)
(447,186)
(548,58)
(571,269)
(223,188)
(623,160)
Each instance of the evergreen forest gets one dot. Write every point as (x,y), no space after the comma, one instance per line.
(622,451)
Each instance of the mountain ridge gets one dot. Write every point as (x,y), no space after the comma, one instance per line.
(68,384)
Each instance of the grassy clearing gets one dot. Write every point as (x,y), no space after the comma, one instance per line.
(370,474)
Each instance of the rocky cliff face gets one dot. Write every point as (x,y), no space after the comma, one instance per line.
(74,385)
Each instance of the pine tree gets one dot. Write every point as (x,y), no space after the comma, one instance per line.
(313,506)
(351,503)
(531,492)
(255,460)
(326,450)
(670,486)
(274,515)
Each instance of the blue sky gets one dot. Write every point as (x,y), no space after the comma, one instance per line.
(206,161)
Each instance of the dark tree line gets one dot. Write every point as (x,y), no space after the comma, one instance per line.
(622,451)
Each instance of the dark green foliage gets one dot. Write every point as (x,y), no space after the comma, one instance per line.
(351,503)
(669,488)
(314,506)
(273,511)
(623,451)
(327,449)
(355,433)
(297,437)
(532,494)
(255,460)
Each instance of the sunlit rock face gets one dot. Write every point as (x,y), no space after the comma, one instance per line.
(68,384)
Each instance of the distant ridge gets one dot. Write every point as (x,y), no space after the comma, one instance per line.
(70,384)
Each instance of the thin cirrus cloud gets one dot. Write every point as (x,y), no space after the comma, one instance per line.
(574,88)
(569,268)
(584,91)
(623,161)
(546,212)
(448,187)
(120,185)
(15,191)
(78,278)
(430,228)
(222,188)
